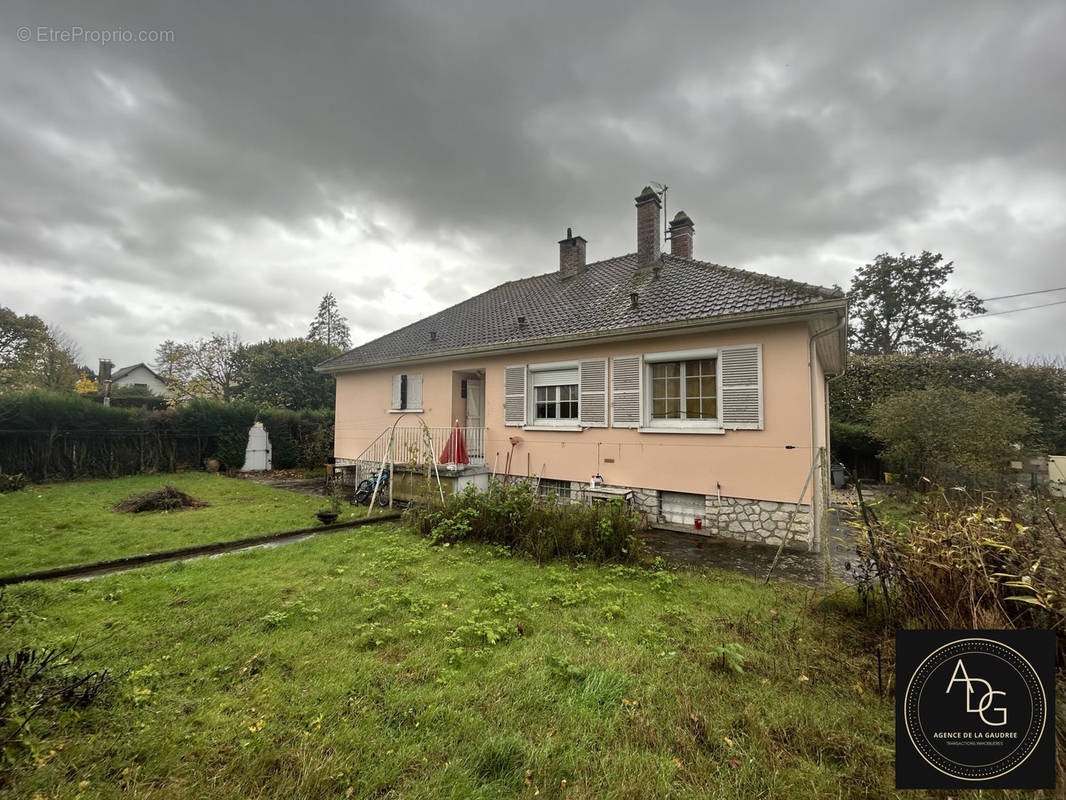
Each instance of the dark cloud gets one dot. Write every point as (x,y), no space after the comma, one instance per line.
(407,154)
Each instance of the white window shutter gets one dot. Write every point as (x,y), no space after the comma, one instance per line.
(514,395)
(625,391)
(740,384)
(414,392)
(396,396)
(593,390)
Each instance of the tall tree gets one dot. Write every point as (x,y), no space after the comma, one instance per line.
(281,374)
(202,368)
(328,326)
(21,342)
(57,364)
(899,305)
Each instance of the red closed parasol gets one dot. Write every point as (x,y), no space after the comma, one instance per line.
(454,451)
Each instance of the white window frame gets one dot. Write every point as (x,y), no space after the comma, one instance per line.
(532,423)
(421,393)
(649,425)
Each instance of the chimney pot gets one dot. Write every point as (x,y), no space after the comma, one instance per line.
(521,322)
(649,208)
(634,299)
(571,255)
(681,231)
(433,336)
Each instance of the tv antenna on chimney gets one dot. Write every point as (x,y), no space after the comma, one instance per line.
(660,189)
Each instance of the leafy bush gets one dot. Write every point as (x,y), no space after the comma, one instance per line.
(540,526)
(949,433)
(869,379)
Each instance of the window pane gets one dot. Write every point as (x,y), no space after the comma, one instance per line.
(542,393)
(568,410)
(673,409)
(710,407)
(693,409)
(658,409)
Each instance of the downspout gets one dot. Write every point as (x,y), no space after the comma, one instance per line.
(816,519)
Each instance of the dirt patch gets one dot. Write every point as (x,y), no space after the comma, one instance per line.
(165,499)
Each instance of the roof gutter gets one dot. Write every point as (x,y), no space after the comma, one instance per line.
(596,337)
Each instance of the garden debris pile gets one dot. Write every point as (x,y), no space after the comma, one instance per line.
(165,499)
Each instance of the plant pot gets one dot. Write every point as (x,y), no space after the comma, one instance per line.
(327,517)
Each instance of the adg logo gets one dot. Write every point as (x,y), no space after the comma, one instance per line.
(986,697)
(974,709)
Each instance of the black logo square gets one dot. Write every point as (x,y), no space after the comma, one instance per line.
(975,709)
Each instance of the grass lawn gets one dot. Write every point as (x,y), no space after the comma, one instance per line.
(60,524)
(372,664)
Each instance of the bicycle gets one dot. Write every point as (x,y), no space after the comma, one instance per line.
(365,490)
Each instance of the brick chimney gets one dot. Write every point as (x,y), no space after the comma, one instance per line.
(571,255)
(649,206)
(681,229)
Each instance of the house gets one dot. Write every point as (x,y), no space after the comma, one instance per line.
(696,391)
(139,376)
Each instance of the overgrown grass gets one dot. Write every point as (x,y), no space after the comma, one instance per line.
(61,524)
(376,664)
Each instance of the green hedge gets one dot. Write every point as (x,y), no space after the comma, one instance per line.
(53,436)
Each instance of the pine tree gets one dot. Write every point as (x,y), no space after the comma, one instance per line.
(328,326)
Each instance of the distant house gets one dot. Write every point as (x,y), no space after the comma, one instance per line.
(698,392)
(139,376)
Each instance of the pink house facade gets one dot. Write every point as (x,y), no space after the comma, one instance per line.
(694,391)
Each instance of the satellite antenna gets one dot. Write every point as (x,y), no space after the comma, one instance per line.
(660,189)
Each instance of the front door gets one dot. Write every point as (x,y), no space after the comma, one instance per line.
(475,417)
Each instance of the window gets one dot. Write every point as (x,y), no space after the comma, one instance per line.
(684,390)
(407,392)
(555,402)
(548,486)
(554,396)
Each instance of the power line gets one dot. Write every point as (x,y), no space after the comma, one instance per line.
(1012,310)
(1021,294)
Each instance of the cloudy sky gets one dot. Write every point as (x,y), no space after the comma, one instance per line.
(405,155)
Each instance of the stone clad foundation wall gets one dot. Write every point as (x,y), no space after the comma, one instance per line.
(762,521)
(758,521)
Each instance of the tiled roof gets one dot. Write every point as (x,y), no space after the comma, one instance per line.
(122,373)
(594,301)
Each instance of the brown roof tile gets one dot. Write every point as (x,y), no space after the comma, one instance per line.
(596,300)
